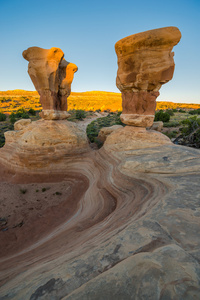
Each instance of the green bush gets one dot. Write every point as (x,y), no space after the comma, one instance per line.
(162,116)
(171,134)
(191,132)
(80,114)
(25,116)
(171,124)
(190,125)
(32,112)
(94,127)
(170,112)
(20,112)
(195,112)
(2,117)
(2,139)
(182,111)
(23,191)
(12,118)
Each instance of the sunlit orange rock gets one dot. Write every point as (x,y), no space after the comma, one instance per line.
(145,62)
(52,76)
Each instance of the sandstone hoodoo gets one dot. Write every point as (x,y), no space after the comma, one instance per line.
(46,144)
(52,76)
(145,62)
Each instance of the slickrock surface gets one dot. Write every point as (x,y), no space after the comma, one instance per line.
(145,62)
(52,76)
(126,225)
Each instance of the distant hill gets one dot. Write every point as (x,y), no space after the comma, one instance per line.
(94,100)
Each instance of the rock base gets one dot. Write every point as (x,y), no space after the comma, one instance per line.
(51,114)
(137,120)
(132,138)
(43,144)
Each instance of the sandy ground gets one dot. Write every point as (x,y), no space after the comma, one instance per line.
(30,211)
(83,124)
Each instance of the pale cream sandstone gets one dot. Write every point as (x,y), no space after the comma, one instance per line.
(105,131)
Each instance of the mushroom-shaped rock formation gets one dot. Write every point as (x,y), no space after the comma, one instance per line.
(45,145)
(52,76)
(145,62)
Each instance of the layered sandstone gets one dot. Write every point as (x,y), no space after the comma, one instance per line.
(42,145)
(145,62)
(52,77)
(127,218)
(36,146)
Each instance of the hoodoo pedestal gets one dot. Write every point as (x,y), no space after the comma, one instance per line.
(45,145)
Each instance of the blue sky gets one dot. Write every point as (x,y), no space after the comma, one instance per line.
(87,31)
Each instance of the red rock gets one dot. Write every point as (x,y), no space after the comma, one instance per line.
(145,62)
(52,76)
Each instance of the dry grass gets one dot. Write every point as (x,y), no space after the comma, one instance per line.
(11,101)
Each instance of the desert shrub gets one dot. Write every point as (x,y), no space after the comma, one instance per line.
(171,124)
(94,127)
(11,127)
(32,112)
(23,191)
(182,111)
(170,112)
(171,134)
(25,116)
(80,114)
(190,125)
(190,132)
(58,193)
(195,112)
(20,112)
(174,110)
(2,117)
(162,116)
(12,118)
(2,139)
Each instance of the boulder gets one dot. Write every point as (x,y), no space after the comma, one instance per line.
(43,144)
(158,126)
(105,131)
(21,124)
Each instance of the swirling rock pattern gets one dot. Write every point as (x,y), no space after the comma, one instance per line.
(127,229)
(145,62)
(52,77)
(40,144)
